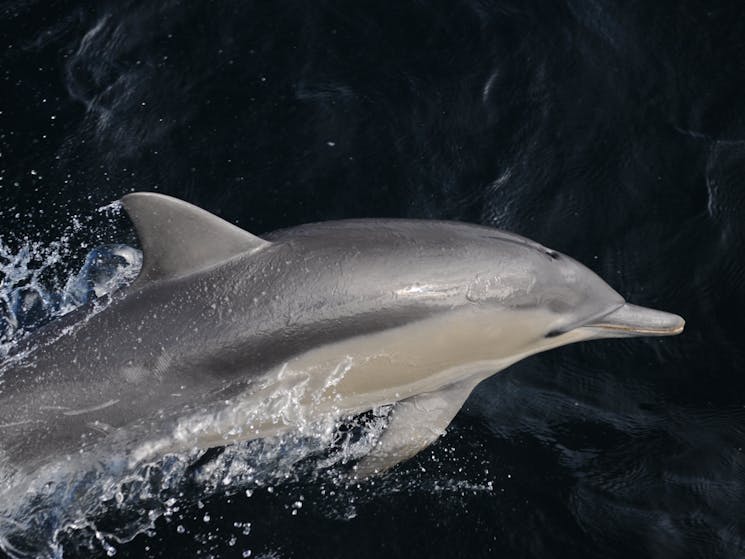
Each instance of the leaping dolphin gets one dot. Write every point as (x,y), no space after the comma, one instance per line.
(225,336)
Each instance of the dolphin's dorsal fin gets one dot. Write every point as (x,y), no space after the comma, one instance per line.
(178,238)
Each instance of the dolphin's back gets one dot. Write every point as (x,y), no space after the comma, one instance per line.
(395,232)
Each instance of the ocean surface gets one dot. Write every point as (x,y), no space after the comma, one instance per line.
(611,131)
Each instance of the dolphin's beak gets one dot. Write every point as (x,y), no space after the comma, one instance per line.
(630,320)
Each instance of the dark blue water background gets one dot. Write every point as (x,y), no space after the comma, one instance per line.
(611,131)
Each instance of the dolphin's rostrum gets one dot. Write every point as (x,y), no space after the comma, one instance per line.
(226,336)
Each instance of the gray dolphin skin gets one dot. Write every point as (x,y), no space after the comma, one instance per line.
(225,336)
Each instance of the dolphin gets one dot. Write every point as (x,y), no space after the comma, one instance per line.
(225,336)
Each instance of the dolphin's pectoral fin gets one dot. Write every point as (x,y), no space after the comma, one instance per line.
(178,239)
(414,424)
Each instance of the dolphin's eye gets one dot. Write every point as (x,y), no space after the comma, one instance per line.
(552,254)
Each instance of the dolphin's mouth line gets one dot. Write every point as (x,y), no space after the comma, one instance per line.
(638,329)
(633,320)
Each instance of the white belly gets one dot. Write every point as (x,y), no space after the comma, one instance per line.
(362,373)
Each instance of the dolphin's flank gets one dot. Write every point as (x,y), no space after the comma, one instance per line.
(225,336)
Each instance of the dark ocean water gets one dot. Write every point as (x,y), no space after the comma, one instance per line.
(611,131)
